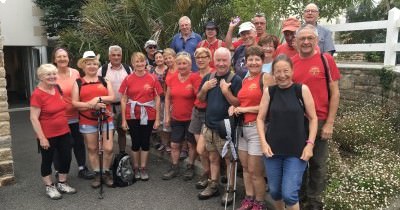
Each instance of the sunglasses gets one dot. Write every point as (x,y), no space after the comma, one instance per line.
(152,47)
(259,14)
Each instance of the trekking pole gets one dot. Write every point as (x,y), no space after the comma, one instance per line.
(100,120)
(233,160)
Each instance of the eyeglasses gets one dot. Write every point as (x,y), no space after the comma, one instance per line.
(313,11)
(259,23)
(304,38)
(202,57)
(152,47)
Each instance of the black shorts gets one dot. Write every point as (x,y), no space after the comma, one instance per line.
(180,132)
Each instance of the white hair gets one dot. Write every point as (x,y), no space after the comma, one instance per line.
(113,48)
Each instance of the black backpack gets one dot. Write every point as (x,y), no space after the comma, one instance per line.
(104,69)
(122,171)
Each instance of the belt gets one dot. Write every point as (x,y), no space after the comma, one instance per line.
(249,124)
(200,109)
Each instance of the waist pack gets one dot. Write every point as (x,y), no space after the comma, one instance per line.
(122,171)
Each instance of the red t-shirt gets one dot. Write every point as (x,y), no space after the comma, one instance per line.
(52,112)
(182,96)
(285,49)
(142,89)
(310,71)
(169,75)
(197,102)
(212,47)
(250,95)
(66,85)
(88,92)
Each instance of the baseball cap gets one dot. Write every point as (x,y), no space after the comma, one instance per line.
(150,43)
(246,26)
(290,24)
(210,25)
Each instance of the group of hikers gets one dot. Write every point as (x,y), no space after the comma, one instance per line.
(273,105)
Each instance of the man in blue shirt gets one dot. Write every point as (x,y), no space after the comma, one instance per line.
(186,39)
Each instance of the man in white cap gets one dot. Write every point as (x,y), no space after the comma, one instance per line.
(248,34)
(151,47)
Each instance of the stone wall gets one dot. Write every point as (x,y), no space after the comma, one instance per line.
(364,84)
(6,160)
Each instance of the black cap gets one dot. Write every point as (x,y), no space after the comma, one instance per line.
(211,25)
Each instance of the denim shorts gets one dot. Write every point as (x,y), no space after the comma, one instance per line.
(93,128)
(285,174)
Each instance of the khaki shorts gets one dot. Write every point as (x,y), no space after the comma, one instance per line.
(214,143)
(198,119)
(250,141)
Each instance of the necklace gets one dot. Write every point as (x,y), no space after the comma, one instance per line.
(183,78)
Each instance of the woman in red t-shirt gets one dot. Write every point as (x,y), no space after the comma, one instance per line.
(169,59)
(179,98)
(203,58)
(66,77)
(140,105)
(250,153)
(51,127)
(91,95)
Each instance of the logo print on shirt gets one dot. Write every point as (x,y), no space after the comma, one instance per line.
(314,71)
(189,87)
(146,86)
(253,86)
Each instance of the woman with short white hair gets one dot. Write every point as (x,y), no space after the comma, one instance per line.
(48,120)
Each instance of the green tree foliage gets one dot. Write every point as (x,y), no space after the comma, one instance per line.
(59,14)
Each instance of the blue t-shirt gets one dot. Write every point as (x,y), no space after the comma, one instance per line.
(217,105)
(179,45)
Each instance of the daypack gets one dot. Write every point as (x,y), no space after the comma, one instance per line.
(80,83)
(104,69)
(122,171)
(228,80)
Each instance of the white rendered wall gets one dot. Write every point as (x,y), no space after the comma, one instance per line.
(20,23)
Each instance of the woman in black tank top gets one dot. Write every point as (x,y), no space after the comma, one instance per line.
(288,142)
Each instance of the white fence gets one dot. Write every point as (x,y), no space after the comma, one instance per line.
(390,47)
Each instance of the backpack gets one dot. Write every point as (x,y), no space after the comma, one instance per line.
(80,83)
(122,171)
(299,95)
(228,80)
(104,69)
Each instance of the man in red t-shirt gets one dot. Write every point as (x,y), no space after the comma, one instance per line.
(309,69)
(289,28)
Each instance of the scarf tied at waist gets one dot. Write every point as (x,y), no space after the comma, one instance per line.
(143,112)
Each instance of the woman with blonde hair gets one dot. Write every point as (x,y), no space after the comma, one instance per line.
(140,105)
(48,120)
(179,98)
(92,96)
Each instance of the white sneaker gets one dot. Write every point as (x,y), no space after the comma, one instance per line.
(65,188)
(53,193)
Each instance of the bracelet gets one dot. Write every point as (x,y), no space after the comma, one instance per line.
(310,142)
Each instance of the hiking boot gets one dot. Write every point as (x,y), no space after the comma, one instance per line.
(210,191)
(171,173)
(183,155)
(168,149)
(136,173)
(227,197)
(63,187)
(96,181)
(259,205)
(246,204)
(52,192)
(161,147)
(108,179)
(189,172)
(85,173)
(203,182)
(144,176)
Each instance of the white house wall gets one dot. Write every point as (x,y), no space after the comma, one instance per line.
(20,23)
